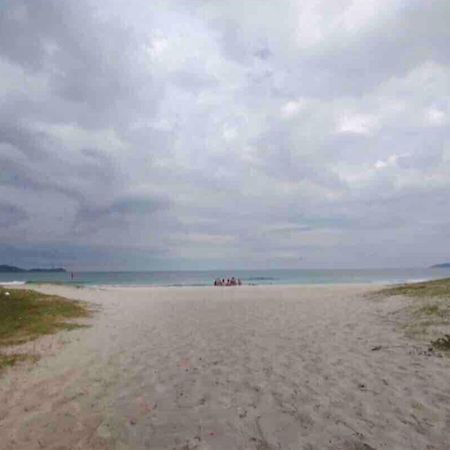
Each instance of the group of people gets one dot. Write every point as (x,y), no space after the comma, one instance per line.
(227,282)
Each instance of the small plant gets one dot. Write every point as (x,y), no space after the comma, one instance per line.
(442,343)
(430,310)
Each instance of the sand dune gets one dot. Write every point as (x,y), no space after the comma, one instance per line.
(244,368)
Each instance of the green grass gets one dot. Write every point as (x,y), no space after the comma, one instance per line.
(25,315)
(430,312)
(10,360)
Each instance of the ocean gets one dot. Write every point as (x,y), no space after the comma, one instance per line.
(248,277)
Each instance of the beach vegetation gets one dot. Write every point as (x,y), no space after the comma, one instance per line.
(11,359)
(442,343)
(429,314)
(429,289)
(431,310)
(26,315)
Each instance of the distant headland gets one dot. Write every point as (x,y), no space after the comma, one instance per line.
(441,266)
(14,269)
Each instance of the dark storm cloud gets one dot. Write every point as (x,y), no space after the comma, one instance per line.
(149,134)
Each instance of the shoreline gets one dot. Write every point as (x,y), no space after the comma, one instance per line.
(32,285)
(248,277)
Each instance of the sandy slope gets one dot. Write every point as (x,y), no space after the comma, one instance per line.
(230,368)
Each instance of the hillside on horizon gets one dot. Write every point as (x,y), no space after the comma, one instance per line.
(4,268)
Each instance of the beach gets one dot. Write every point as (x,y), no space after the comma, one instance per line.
(249,368)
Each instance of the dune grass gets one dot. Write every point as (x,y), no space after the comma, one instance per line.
(25,315)
(430,313)
(429,289)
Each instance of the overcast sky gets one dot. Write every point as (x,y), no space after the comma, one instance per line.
(146,134)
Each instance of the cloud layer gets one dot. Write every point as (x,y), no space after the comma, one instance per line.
(258,134)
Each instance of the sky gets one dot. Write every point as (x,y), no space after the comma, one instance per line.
(148,134)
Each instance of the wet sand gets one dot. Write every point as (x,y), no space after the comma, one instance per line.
(250,368)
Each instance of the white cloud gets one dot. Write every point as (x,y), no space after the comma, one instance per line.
(437,117)
(229,133)
(292,108)
(356,124)
(391,161)
(157,46)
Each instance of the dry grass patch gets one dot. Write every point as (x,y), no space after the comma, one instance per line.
(10,360)
(426,289)
(429,315)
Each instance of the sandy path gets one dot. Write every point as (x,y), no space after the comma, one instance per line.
(231,368)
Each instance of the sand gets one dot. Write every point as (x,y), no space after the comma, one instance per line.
(250,367)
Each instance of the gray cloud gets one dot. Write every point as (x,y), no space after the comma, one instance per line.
(199,134)
(10,215)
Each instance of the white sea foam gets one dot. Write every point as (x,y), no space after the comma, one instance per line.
(12,283)
(417,280)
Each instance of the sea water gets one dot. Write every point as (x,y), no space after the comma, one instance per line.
(207,277)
